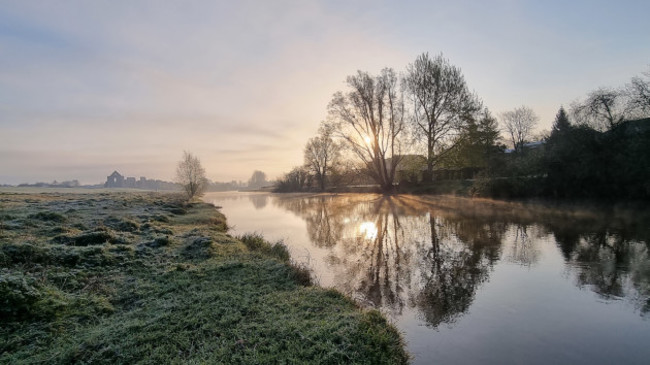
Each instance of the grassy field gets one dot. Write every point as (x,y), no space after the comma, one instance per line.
(134,277)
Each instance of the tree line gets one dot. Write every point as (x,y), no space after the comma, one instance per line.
(600,148)
(425,125)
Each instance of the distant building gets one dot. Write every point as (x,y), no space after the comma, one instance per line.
(528,146)
(114,180)
(129,182)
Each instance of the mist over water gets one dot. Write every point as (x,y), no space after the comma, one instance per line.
(473,281)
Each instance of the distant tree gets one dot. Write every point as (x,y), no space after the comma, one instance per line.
(321,153)
(560,155)
(561,123)
(257,180)
(638,94)
(603,109)
(370,119)
(295,180)
(442,105)
(191,175)
(519,124)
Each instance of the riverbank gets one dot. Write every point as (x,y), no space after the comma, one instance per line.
(142,277)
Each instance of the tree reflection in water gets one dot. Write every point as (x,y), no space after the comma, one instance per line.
(432,254)
(388,254)
(259,200)
(457,262)
(613,267)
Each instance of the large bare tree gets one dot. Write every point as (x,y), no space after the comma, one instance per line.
(191,175)
(603,109)
(321,153)
(442,105)
(638,94)
(369,117)
(519,124)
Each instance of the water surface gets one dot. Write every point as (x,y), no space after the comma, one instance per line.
(473,281)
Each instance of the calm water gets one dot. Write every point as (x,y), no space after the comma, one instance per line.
(474,281)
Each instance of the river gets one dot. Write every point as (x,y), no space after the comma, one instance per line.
(473,281)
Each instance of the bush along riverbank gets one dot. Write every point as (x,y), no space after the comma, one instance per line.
(145,278)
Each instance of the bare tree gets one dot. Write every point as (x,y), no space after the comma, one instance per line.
(603,109)
(321,153)
(370,119)
(442,104)
(295,180)
(191,175)
(638,94)
(519,124)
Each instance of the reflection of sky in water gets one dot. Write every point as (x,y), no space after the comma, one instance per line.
(471,282)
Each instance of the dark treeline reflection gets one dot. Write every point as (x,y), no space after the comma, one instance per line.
(612,263)
(433,254)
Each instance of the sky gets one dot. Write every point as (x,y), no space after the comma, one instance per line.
(88,87)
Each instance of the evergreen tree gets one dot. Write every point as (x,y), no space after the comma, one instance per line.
(561,123)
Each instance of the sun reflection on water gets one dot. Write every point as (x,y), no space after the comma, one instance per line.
(368,230)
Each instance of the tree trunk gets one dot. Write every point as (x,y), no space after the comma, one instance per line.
(428,176)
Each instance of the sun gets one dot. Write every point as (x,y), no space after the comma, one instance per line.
(367,139)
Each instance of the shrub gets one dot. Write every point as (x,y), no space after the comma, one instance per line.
(255,242)
(301,274)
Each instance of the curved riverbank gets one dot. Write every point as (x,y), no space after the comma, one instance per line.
(142,277)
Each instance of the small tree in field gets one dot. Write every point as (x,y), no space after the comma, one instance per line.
(191,175)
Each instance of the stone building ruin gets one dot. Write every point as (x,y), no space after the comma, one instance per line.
(116,180)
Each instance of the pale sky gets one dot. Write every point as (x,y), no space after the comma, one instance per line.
(88,87)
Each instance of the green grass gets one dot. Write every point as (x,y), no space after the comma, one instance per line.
(165,283)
